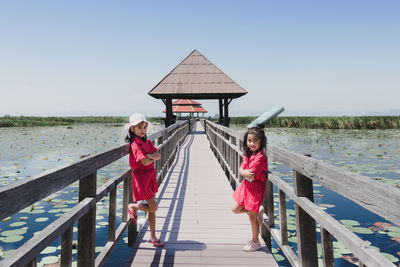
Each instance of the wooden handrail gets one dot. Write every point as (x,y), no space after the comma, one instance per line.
(52,181)
(379,198)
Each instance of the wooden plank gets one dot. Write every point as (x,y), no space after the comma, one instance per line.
(87,223)
(327,248)
(66,247)
(377,197)
(305,224)
(283,217)
(112,209)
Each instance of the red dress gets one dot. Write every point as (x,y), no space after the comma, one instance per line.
(144,181)
(250,195)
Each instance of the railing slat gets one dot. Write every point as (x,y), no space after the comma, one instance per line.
(327,248)
(112,210)
(87,223)
(66,247)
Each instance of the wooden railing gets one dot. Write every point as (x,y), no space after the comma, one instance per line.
(379,198)
(17,196)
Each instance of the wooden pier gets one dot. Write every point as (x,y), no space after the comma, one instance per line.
(195,218)
(196,174)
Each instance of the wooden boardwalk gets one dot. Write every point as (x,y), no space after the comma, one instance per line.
(195,218)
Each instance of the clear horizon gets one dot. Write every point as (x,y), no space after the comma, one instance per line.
(95,58)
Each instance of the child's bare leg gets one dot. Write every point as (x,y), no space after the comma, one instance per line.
(254,225)
(236,208)
(153,206)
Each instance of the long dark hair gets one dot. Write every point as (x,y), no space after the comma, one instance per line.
(257,132)
(131,136)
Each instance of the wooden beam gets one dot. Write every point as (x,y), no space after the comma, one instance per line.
(226,112)
(221,111)
(87,223)
(168,112)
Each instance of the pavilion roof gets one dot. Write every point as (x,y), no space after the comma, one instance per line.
(197,77)
(187,109)
(185,102)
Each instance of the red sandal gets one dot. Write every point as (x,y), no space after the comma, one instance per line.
(157,243)
(133,216)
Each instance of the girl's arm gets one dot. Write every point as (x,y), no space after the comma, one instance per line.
(154,156)
(146,161)
(246,173)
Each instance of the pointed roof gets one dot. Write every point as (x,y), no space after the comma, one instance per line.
(196,77)
(185,102)
(187,106)
(188,109)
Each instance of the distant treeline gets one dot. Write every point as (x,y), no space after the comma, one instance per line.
(28,121)
(362,122)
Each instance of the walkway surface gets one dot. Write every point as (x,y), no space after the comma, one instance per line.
(195,218)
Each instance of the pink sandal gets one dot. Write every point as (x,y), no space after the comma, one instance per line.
(157,243)
(133,216)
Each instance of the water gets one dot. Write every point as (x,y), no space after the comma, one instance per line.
(372,153)
(25,152)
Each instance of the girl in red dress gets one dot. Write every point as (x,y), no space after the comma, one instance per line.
(250,193)
(144,183)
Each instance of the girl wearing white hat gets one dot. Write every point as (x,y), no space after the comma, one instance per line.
(144,183)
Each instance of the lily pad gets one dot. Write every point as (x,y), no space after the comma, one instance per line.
(17,224)
(49,260)
(49,250)
(390,257)
(349,222)
(41,219)
(13,238)
(394,234)
(279,257)
(20,231)
(361,230)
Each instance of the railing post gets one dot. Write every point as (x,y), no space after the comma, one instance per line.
(268,204)
(306,232)
(283,217)
(327,248)
(66,247)
(32,263)
(87,223)
(132,227)
(112,208)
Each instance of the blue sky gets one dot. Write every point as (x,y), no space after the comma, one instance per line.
(102,57)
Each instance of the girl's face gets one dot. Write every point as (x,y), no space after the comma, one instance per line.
(253,142)
(140,129)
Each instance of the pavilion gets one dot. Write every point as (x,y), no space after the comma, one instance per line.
(197,78)
(188,106)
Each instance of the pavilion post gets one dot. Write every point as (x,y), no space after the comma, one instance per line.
(221,111)
(226,112)
(168,119)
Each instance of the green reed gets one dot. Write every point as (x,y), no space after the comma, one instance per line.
(32,121)
(361,122)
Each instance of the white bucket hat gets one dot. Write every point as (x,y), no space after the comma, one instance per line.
(134,120)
